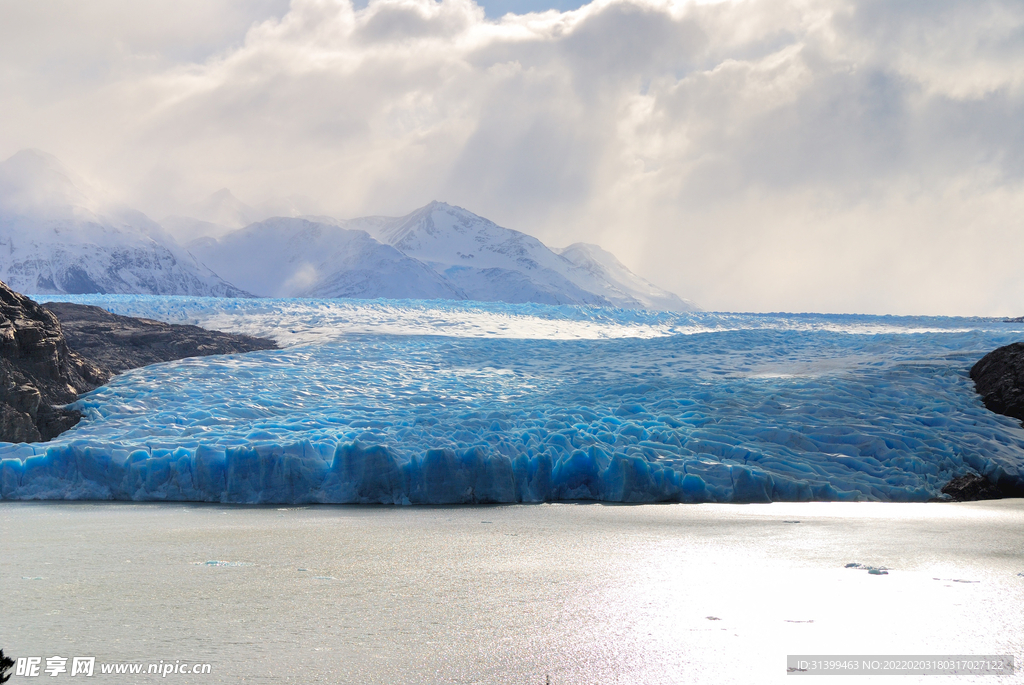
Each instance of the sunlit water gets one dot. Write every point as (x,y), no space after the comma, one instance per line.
(509,594)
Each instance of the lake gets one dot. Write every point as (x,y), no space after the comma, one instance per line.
(578,593)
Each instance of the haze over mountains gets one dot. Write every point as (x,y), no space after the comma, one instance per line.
(57,236)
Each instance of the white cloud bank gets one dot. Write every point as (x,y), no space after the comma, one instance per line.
(821,155)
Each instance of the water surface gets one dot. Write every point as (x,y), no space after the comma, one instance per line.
(509,594)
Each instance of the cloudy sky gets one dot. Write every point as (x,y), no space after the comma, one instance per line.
(762,155)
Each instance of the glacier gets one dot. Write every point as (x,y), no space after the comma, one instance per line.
(442,402)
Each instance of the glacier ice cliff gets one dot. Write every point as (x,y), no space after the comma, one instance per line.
(439,403)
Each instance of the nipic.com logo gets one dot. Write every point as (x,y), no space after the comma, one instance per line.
(36,666)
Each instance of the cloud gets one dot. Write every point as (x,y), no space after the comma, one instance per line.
(837,155)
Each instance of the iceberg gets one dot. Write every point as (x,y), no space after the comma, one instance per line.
(404,402)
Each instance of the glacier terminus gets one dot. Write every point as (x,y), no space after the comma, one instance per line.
(443,402)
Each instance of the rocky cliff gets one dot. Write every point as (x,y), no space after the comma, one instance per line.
(38,372)
(999,379)
(48,355)
(119,343)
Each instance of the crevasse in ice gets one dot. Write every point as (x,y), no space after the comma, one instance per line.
(438,402)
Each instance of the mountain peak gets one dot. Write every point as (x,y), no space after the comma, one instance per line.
(223,195)
(615,281)
(430,207)
(431,218)
(223,208)
(35,183)
(31,157)
(440,205)
(454,209)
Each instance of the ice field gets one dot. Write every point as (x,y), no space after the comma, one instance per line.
(432,402)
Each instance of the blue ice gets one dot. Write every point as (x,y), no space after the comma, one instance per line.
(404,402)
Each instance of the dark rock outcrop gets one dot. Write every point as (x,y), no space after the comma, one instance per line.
(120,343)
(38,372)
(972,487)
(48,355)
(999,379)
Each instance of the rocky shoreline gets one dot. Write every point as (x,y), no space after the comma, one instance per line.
(51,354)
(119,343)
(999,379)
(38,372)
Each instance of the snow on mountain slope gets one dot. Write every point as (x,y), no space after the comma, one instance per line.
(33,183)
(52,257)
(618,284)
(488,262)
(297,257)
(186,229)
(491,263)
(58,236)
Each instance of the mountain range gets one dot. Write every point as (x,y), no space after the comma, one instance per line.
(57,235)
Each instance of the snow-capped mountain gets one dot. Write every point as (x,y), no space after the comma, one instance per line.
(58,235)
(492,263)
(484,260)
(622,287)
(286,257)
(437,252)
(223,208)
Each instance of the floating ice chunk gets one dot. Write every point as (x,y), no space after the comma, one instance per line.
(873,570)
